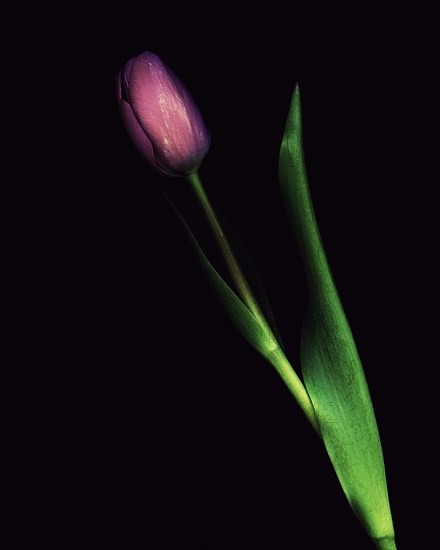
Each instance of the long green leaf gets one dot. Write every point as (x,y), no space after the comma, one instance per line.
(239,314)
(331,367)
(251,272)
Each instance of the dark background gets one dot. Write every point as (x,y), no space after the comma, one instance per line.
(174,431)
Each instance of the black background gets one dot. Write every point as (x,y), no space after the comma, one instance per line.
(173,429)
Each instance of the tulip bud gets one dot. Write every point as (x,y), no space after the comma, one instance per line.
(161,117)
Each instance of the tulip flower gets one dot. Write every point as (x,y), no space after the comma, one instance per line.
(161,117)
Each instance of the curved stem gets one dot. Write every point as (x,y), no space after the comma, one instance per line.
(276,357)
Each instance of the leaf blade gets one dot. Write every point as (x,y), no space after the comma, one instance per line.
(331,367)
(237,311)
(251,272)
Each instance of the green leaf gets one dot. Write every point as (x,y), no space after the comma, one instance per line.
(252,275)
(331,367)
(238,312)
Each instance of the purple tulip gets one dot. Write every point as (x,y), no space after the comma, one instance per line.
(161,117)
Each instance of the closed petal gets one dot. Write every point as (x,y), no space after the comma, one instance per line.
(168,114)
(131,123)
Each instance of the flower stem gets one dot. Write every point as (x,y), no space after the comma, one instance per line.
(277,357)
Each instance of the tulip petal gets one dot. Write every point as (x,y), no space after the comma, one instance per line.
(134,129)
(168,114)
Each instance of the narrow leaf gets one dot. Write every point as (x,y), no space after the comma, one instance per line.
(251,272)
(238,312)
(331,367)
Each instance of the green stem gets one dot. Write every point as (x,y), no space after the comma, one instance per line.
(276,357)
